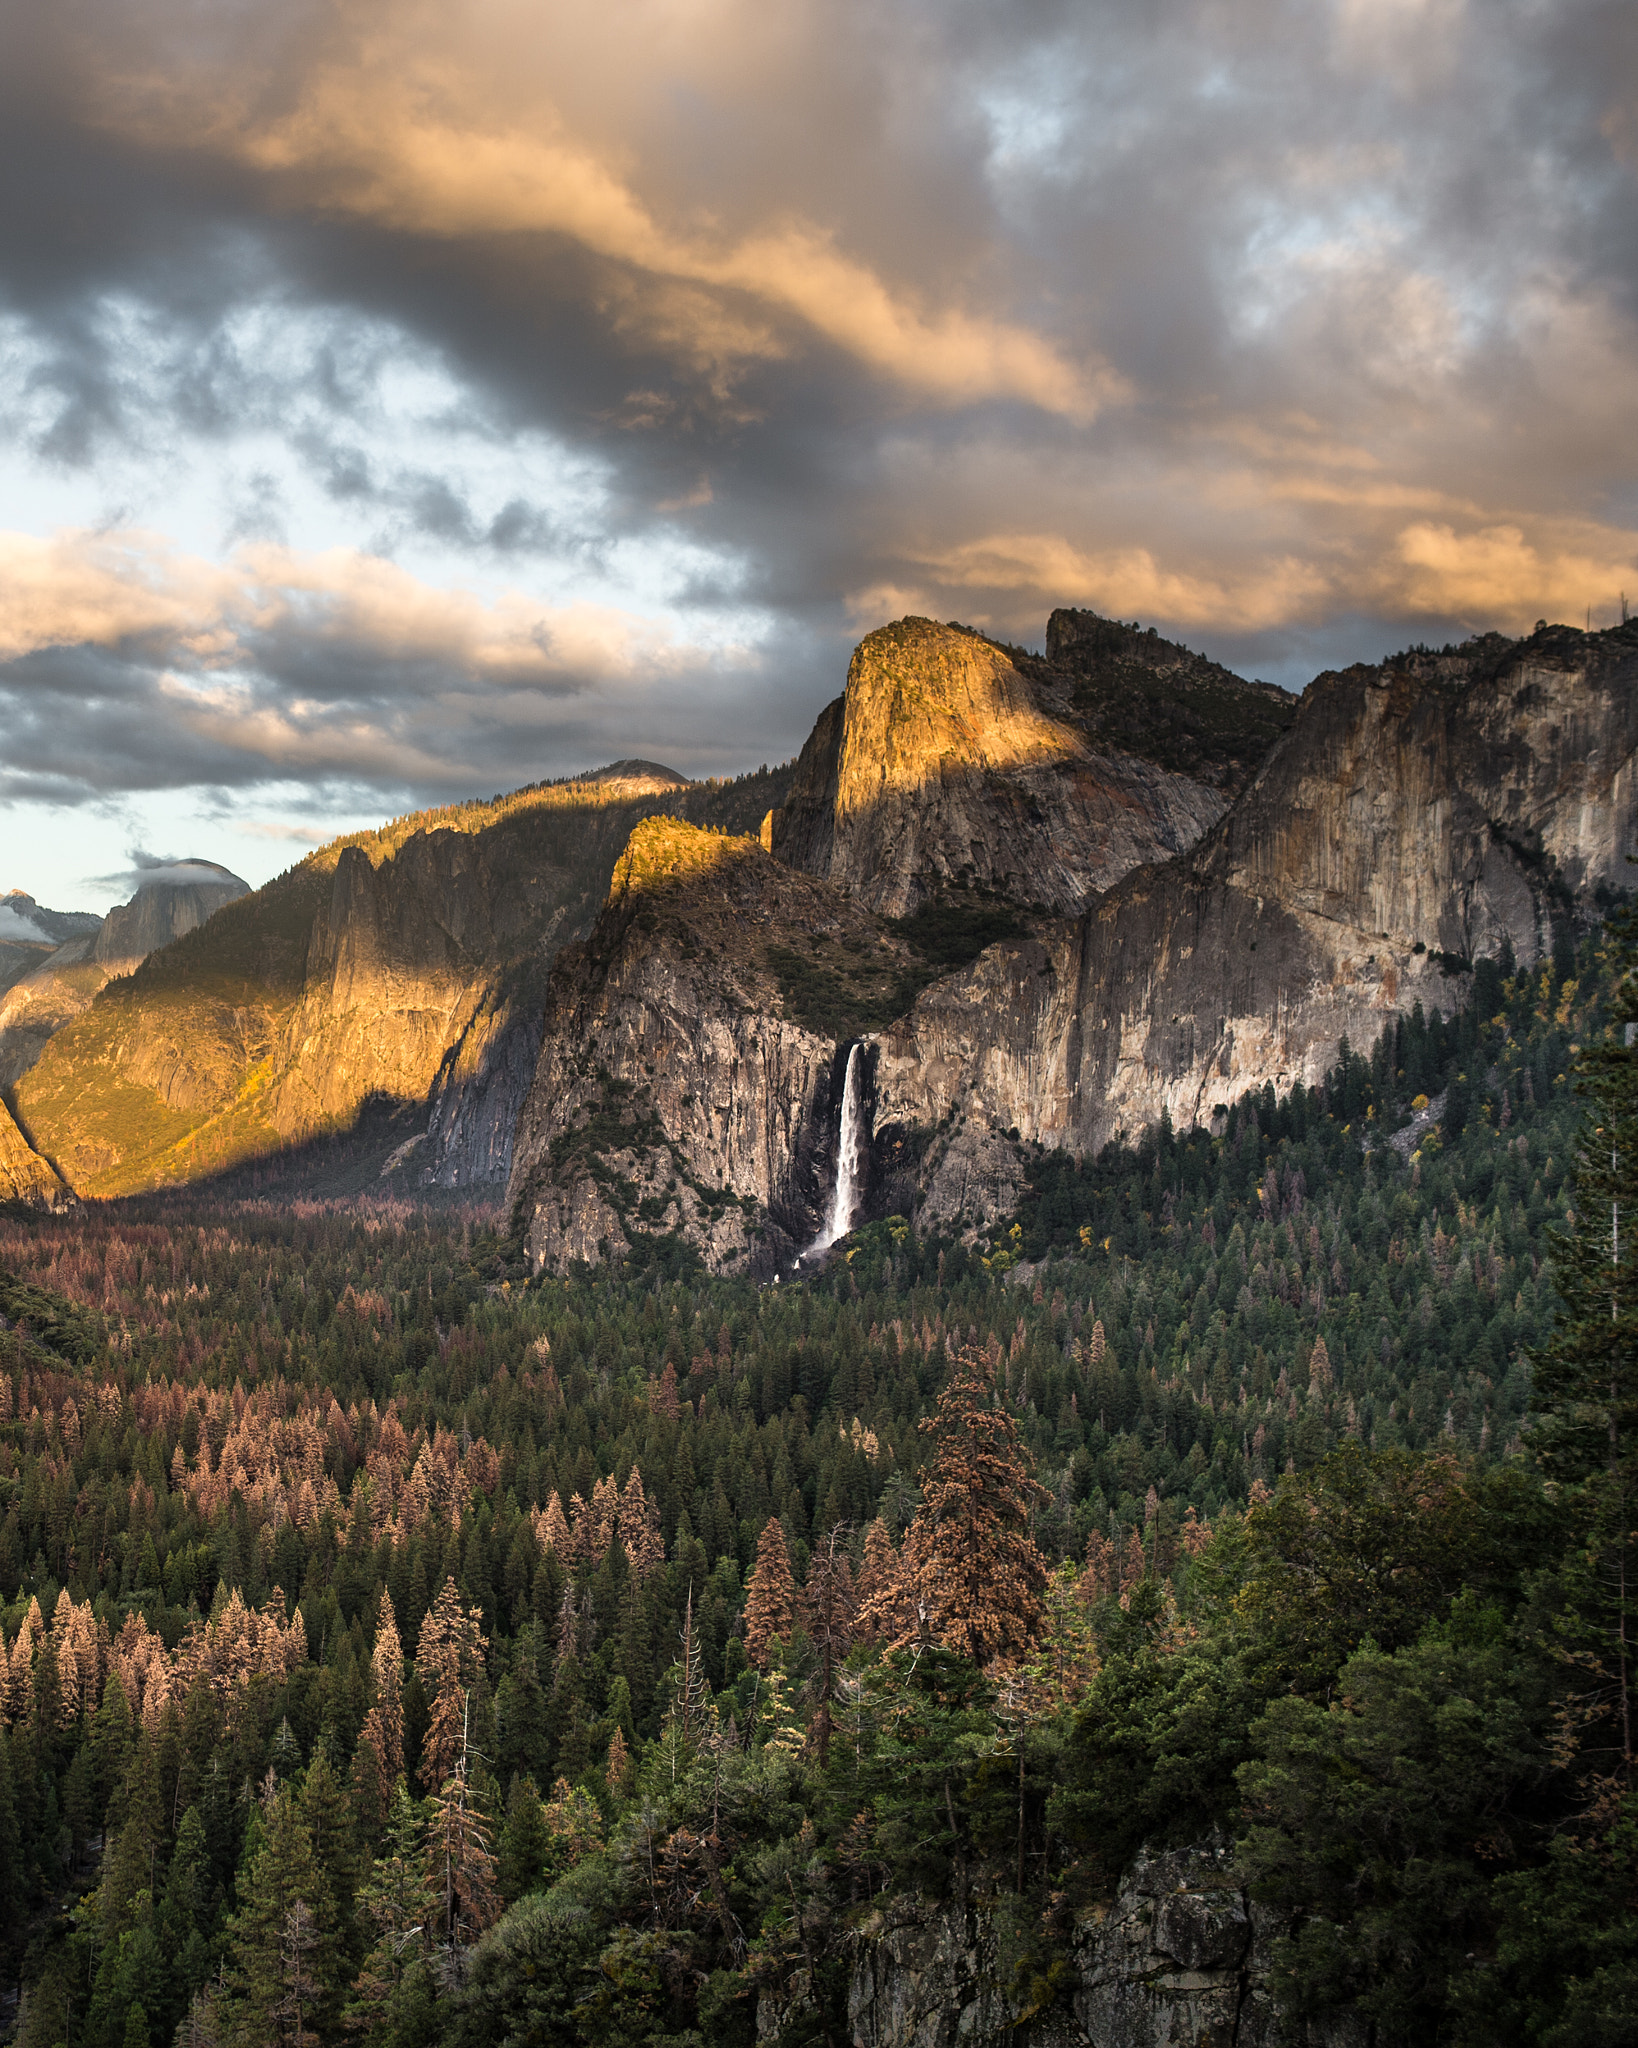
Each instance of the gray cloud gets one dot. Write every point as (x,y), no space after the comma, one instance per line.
(1299,331)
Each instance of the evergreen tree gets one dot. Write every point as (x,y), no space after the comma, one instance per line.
(274,1975)
(974,1574)
(383,1733)
(770,1600)
(392,1995)
(828,1613)
(448,1659)
(335,1870)
(524,1843)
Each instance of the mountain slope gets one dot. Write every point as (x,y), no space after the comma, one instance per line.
(401,964)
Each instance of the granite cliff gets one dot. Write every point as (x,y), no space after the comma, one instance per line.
(87,952)
(1419,814)
(951,760)
(1180,1956)
(690,1066)
(1416,814)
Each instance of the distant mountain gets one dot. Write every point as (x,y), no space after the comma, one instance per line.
(168,903)
(30,934)
(406,965)
(58,982)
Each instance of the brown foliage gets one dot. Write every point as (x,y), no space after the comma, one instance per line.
(972,1573)
(770,1599)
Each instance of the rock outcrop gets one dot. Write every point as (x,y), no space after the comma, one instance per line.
(175,900)
(680,1093)
(24,1175)
(88,952)
(949,761)
(1180,1959)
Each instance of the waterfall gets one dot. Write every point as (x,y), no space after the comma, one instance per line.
(850,1157)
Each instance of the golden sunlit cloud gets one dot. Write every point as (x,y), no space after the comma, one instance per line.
(405,141)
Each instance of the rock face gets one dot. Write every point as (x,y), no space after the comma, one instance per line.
(679,1093)
(1180,1960)
(24,1175)
(1437,805)
(945,763)
(60,983)
(1416,815)
(162,910)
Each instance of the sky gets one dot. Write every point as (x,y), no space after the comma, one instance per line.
(403,402)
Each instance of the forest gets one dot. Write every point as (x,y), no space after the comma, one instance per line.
(397,1647)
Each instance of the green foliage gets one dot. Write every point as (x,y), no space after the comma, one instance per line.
(1310,1336)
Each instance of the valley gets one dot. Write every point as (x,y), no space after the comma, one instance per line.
(898,1398)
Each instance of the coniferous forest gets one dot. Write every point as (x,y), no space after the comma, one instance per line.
(398,1648)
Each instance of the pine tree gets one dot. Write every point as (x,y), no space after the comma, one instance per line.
(448,1658)
(397,1908)
(520,1867)
(272,1981)
(335,1868)
(974,1574)
(460,1860)
(384,1724)
(828,1612)
(770,1600)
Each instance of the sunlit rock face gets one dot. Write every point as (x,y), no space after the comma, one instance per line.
(398,971)
(24,1175)
(61,982)
(947,763)
(1432,806)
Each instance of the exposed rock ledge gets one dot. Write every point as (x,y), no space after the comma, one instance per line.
(1180,1960)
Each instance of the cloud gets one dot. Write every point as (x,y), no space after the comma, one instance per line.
(20,929)
(398,132)
(159,871)
(277,664)
(401,399)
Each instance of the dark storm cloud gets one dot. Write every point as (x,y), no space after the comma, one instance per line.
(1300,331)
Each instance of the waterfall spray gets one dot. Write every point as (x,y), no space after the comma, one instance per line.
(850,1156)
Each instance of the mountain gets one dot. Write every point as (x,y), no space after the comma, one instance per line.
(684,1084)
(1414,816)
(174,900)
(952,761)
(405,966)
(87,952)
(30,934)
(1420,814)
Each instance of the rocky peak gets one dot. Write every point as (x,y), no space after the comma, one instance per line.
(24,920)
(172,900)
(946,763)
